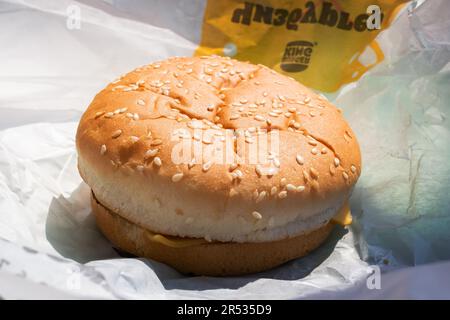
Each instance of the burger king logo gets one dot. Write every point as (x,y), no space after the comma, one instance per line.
(297,56)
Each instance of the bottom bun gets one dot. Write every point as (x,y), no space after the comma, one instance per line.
(200,258)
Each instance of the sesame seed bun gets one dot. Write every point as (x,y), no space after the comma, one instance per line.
(209,259)
(128,136)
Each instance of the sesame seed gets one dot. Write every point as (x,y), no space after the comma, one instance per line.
(156,142)
(129,115)
(103,149)
(300,159)
(283,182)
(238,173)
(287,114)
(345,175)
(312,142)
(207,140)
(353,168)
(261,196)
(273,191)
(292,109)
(195,124)
(276,162)
(255,194)
(233,166)
(324,150)
(191,163)
(177,177)
(140,168)
(259,118)
(122,110)
(116,134)
(307,99)
(305,175)
(282,194)
(206,166)
(197,136)
(314,173)
(109,115)
(300,188)
(265,94)
(312,113)
(234,116)
(151,153)
(258,170)
(157,161)
(332,170)
(257,215)
(314,151)
(336,162)
(99,114)
(134,139)
(291,187)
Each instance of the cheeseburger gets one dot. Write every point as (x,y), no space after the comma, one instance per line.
(215,166)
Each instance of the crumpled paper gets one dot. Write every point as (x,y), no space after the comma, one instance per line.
(49,244)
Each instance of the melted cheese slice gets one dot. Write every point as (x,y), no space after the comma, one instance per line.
(176,242)
(343,216)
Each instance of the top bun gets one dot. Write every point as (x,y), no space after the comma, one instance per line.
(129,139)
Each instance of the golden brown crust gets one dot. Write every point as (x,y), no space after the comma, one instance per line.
(125,146)
(212,259)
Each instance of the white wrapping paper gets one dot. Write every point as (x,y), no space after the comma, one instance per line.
(49,244)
